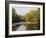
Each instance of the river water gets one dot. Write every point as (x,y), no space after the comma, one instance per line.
(21,28)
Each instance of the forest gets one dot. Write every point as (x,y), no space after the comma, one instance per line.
(32,16)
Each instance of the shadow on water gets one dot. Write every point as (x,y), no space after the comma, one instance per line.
(22,26)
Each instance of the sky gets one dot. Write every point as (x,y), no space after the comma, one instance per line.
(23,10)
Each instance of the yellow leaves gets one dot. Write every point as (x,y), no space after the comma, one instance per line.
(33,17)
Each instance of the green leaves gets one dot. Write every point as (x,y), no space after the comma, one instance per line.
(15,17)
(31,16)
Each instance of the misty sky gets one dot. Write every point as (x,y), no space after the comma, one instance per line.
(23,10)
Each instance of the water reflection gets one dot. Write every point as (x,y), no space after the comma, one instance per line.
(21,28)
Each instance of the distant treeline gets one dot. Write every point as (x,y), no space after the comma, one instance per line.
(32,16)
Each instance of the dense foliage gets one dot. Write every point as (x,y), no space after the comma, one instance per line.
(15,17)
(32,16)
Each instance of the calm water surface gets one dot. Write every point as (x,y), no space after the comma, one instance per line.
(21,28)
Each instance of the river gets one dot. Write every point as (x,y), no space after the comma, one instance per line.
(21,28)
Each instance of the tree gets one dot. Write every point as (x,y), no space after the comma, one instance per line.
(15,17)
(33,16)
